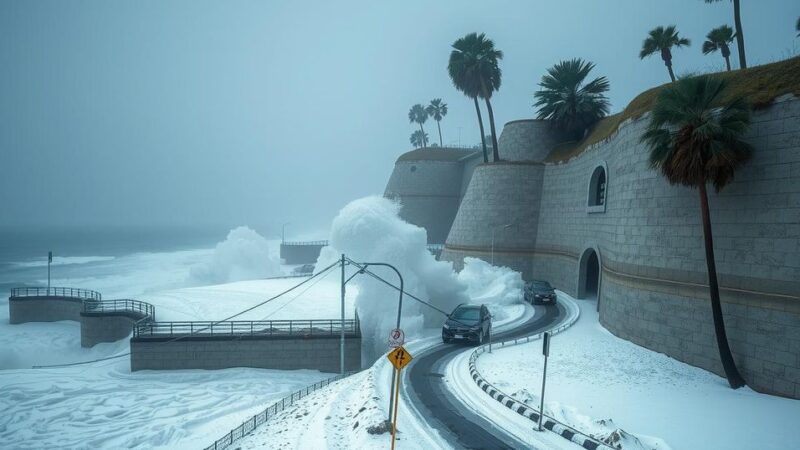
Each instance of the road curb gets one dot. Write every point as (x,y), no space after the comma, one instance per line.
(563,430)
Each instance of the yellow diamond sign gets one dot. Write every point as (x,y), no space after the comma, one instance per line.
(399,357)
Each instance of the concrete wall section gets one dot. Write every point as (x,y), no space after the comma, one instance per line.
(300,254)
(106,327)
(429,192)
(499,194)
(527,140)
(319,353)
(44,309)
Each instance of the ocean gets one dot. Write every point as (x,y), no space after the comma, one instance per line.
(116,261)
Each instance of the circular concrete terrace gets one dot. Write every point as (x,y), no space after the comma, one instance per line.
(101,321)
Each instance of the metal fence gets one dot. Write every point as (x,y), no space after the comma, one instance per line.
(309,243)
(124,305)
(250,424)
(55,292)
(277,328)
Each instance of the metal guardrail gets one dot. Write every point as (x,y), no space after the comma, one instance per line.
(124,305)
(276,328)
(55,292)
(305,243)
(250,424)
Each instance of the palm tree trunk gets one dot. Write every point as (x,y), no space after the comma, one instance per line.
(737,19)
(728,364)
(422,135)
(728,62)
(495,153)
(669,69)
(480,125)
(439,125)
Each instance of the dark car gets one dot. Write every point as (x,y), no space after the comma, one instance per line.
(470,323)
(540,293)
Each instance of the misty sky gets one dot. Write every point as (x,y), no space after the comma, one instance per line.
(258,113)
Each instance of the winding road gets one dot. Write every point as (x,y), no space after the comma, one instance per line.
(457,423)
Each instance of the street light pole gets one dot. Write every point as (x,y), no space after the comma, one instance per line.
(341,335)
(493,230)
(362,267)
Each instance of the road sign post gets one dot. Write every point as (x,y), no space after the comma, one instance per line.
(546,353)
(399,358)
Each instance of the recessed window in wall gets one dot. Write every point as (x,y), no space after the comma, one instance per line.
(597,190)
(413,168)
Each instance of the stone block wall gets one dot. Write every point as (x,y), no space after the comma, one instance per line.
(429,192)
(499,194)
(319,353)
(527,140)
(650,232)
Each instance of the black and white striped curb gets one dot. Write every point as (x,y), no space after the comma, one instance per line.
(524,410)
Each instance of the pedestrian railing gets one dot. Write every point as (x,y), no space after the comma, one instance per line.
(251,424)
(63,292)
(261,328)
(305,243)
(125,305)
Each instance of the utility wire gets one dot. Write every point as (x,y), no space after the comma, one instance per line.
(122,355)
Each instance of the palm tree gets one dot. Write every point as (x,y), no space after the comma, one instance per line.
(417,114)
(718,39)
(797,27)
(437,109)
(737,21)
(663,39)
(694,142)
(475,71)
(564,98)
(418,139)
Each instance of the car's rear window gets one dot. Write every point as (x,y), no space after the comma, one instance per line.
(467,313)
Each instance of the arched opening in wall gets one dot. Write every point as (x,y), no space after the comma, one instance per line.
(597,190)
(589,275)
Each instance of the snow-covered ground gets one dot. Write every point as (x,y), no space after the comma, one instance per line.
(104,405)
(340,416)
(599,383)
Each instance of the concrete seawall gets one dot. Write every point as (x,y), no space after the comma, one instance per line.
(106,326)
(44,309)
(97,324)
(301,253)
(287,353)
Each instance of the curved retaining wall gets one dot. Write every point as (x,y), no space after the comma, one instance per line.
(499,194)
(429,190)
(99,324)
(44,309)
(527,140)
(648,239)
(107,326)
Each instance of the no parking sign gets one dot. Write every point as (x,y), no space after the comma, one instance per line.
(396,338)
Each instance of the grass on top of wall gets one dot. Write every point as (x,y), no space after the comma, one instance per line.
(759,85)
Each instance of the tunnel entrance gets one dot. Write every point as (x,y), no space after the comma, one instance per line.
(589,275)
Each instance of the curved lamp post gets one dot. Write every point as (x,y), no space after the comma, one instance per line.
(505,227)
(362,267)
